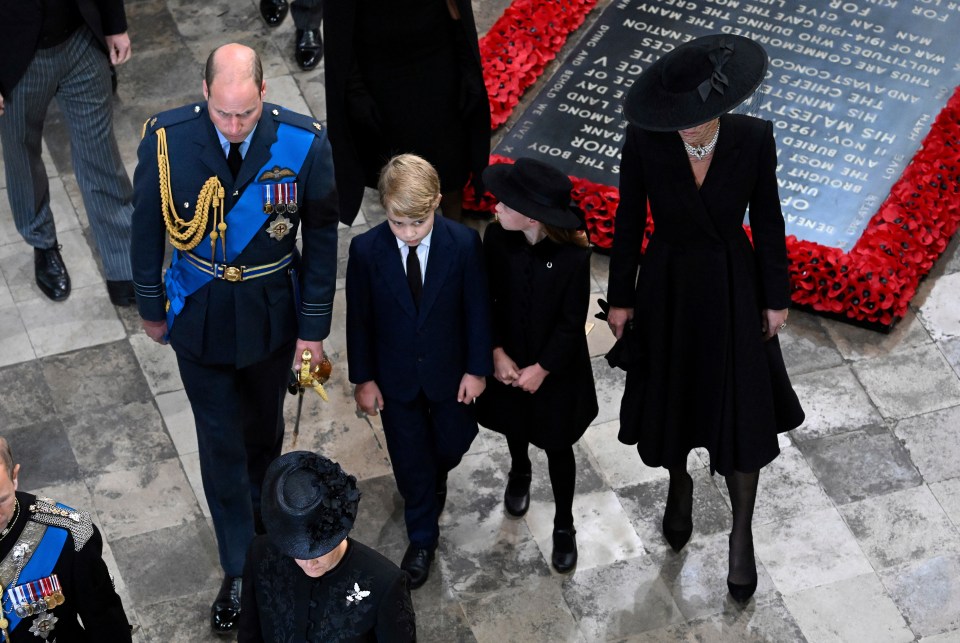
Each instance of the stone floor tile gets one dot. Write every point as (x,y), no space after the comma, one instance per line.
(534,611)
(312,86)
(854,609)
(86,318)
(482,548)
(947,637)
(910,382)
(146,561)
(94,378)
(947,494)
(588,478)
(44,452)
(901,527)
(138,437)
(951,351)
(833,401)
(15,346)
(604,531)
(940,313)
(808,551)
(283,90)
(599,338)
(178,417)
(18,267)
(860,464)
(6,299)
(609,383)
(379,521)
(787,487)
(159,364)
(186,618)
(806,346)
(931,441)
(620,464)
(599,267)
(927,593)
(445,623)
(64,215)
(144,499)
(755,623)
(26,397)
(620,599)
(697,577)
(856,343)
(645,504)
(191,467)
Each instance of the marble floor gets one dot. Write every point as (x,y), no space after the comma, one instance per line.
(857,525)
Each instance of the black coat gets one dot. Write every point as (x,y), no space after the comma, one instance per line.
(20,23)
(539,298)
(87,589)
(281,603)
(706,377)
(353,115)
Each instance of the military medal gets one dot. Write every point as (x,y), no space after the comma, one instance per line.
(279,227)
(267,206)
(292,202)
(57,591)
(43,625)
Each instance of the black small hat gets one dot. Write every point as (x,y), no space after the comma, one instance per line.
(308,504)
(695,83)
(535,189)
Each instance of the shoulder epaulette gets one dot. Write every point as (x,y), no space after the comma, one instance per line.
(171,117)
(284,115)
(79,523)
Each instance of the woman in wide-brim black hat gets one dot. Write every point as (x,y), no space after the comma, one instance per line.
(306,579)
(542,392)
(706,305)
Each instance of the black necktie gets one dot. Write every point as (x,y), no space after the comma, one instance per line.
(413,274)
(234,160)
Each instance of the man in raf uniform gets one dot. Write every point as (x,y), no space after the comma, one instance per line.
(229,181)
(52,570)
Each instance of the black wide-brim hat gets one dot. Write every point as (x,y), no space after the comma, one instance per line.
(535,189)
(308,504)
(698,81)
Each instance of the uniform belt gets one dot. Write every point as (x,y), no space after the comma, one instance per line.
(237,273)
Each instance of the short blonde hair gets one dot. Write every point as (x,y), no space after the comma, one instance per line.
(409,187)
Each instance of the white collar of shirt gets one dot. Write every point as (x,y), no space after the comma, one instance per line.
(423,252)
(244,146)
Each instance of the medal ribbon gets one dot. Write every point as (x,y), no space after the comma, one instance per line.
(41,563)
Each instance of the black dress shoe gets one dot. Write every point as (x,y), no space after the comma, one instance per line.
(416,562)
(225,612)
(121,293)
(564,556)
(516,498)
(677,521)
(741,592)
(273,11)
(51,273)
(309,48)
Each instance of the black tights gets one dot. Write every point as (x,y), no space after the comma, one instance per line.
(563,476)
(743,496)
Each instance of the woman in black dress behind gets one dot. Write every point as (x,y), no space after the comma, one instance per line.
(543,393)
(706,305)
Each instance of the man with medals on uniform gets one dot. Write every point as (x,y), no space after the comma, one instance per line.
(52,570)
(229,181)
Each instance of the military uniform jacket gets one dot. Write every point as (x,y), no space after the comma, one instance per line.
(239,323)
(363,598)
(87,589)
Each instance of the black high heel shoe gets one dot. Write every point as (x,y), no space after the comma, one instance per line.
(679,511)
(741,592)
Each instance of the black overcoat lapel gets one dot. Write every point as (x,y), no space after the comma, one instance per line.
(390,266)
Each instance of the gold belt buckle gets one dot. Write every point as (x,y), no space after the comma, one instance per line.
(233,273)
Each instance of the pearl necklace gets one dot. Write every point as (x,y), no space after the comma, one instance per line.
(700,152)
(13,521)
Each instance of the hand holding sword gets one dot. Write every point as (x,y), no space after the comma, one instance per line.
(312,376)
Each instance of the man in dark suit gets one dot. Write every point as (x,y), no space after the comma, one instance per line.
(418,342)
(53,575)
(237,297)
(56,50)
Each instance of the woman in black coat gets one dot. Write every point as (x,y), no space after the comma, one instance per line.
(543,393)
(707,305)
(404,76)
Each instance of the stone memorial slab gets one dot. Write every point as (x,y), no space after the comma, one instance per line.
(852,88)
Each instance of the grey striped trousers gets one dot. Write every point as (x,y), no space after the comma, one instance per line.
(77,74)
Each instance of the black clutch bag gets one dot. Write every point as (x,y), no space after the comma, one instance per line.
(625,353)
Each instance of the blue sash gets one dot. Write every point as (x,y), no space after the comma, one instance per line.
(244,220)
(40,565)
